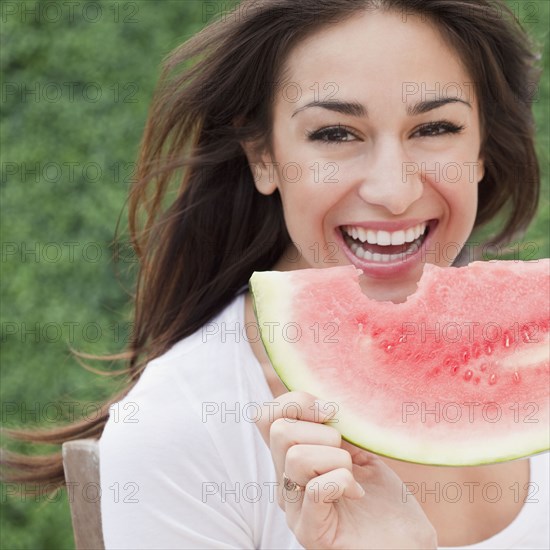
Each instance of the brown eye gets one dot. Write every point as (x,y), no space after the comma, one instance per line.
(437,129)
(334,134)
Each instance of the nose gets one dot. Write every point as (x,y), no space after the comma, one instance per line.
(389,179)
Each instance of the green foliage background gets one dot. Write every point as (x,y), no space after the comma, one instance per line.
(68,217)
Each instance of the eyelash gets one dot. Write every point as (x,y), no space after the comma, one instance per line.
(324,133)
(448,127)
(431,129)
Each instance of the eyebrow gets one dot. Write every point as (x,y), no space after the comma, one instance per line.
(425,106)
(356,109)
(343,107)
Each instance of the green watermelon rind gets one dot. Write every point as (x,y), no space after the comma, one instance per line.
(284,359)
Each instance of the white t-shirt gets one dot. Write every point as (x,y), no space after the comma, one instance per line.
(183,465)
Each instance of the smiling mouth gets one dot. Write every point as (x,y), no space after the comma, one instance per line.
(384,246)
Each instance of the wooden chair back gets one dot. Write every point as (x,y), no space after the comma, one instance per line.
(81,465)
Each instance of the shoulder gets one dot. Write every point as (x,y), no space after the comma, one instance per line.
(207,364)
(179,392)
(181,438)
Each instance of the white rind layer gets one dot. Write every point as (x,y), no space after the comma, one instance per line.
(275,307)
(509,446)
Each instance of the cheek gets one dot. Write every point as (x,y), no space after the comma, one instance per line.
(306,206)
(458,165)
(461,200)
(312,188)
(454,173)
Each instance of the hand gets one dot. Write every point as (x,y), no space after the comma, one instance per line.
(351,499)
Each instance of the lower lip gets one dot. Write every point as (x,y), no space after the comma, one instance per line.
(399,266)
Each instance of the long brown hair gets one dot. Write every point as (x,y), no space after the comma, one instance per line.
(197,223)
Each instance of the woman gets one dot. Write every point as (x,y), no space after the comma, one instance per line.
(297,126)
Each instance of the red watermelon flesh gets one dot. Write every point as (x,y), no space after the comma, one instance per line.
(458,374)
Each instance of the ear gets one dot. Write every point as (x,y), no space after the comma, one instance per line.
(480,169)
(262,167)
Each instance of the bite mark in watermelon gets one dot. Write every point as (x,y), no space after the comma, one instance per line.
(459,374)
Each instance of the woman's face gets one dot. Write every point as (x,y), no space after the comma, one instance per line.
(376,151)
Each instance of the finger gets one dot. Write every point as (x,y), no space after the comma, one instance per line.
(359,456)
(294,406)
(284,435)
(305,462)
(320,496)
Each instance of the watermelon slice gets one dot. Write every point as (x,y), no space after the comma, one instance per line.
(459,374)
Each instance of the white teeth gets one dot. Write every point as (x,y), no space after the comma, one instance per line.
(398,237)
(371,236)
(362,234)
(377,257)
(385,238)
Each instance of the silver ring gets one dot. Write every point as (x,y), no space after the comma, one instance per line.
(290,485)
